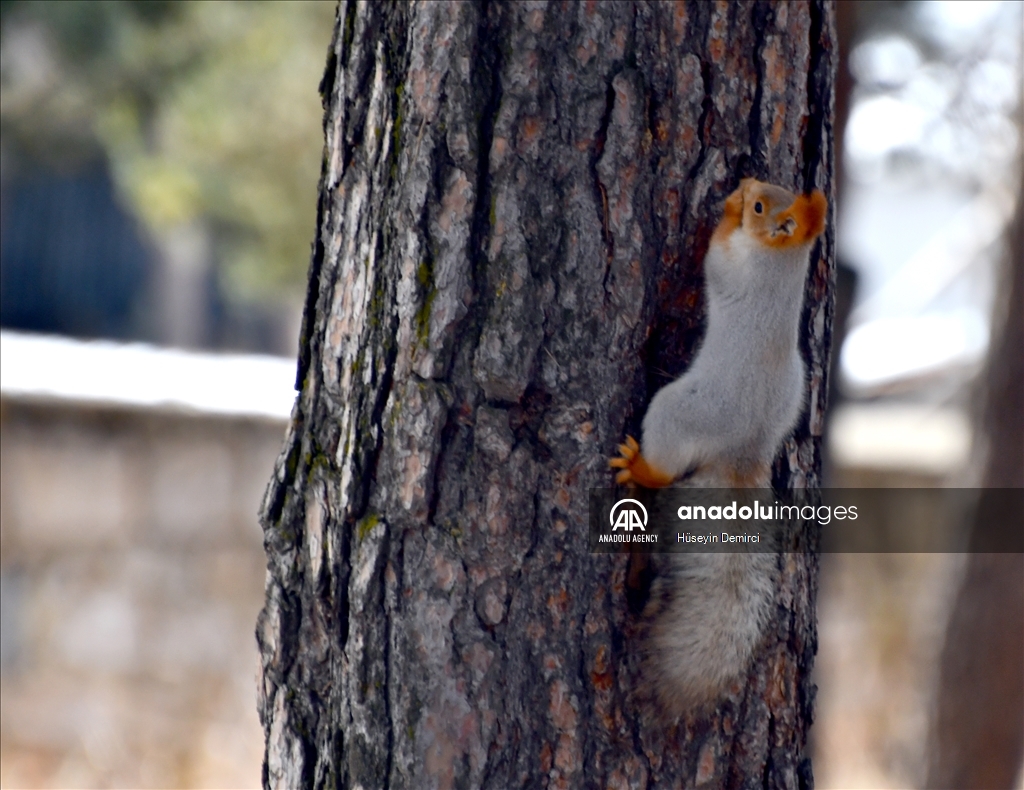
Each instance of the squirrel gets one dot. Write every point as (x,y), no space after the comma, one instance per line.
(720,425)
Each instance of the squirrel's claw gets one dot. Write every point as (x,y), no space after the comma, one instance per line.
(627,452)
(636,469)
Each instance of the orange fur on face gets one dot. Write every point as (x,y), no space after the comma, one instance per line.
(732,217)
(784,220)
(809,213)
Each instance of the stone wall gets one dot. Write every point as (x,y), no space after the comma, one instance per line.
(132,573)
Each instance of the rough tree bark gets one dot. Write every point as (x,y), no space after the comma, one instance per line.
(514,206)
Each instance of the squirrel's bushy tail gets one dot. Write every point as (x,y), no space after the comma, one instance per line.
(707,613)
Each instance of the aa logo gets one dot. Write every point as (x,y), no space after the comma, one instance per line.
(628,518)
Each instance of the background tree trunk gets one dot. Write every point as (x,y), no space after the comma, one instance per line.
(514,206)
(978,734)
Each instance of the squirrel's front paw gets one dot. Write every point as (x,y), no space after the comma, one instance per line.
(636,469)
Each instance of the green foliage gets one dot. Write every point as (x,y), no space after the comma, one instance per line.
(205,110)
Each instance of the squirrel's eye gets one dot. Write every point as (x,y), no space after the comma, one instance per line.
(758,208)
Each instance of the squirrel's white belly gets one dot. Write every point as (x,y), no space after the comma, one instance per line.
(693,420)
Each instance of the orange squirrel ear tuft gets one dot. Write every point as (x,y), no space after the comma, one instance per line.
(809,212)
(732,214)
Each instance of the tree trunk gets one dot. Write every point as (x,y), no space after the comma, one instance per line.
(514,206)
(978,734)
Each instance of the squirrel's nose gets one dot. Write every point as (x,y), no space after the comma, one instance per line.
(787,225)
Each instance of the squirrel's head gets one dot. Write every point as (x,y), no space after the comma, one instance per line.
(772,215)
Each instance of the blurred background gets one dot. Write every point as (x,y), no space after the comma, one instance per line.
(158,171)
(158,167)
(920,669)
